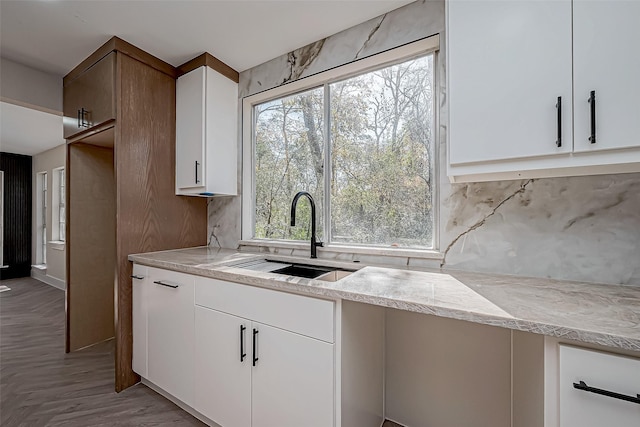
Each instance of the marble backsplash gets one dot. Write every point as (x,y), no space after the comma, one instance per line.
(577,228)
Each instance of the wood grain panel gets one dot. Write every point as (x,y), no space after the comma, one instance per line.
(211,62)
(150,216)
(116,43)
(91,245)
(17,215)
(92,91)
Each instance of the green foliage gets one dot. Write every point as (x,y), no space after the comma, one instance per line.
(381,129)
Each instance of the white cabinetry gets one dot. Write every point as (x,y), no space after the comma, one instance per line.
(606,61)
(223,384)
(510,62)
(206,134)
(278,370)
(601,372)
(170,332)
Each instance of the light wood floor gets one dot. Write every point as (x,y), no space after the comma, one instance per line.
(41,386)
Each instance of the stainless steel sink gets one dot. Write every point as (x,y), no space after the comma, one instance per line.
(334,276)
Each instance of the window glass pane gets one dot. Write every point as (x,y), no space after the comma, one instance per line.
(382,136)
(289,157)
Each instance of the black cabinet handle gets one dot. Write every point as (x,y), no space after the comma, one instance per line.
(559,108)
(255,343)
(168,285)
(592,101)
(242,353)
(583,386)
(79,119)
(133,276)
(197,181)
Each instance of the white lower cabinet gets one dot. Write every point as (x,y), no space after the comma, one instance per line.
(239,355)
(253,374)
(223,383)
(292,381)
(170,332)
(603,382)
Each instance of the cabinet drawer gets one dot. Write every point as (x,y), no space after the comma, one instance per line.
(602,371)
(304,315)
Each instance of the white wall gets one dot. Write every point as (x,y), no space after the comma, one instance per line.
(56,264)
(25,85)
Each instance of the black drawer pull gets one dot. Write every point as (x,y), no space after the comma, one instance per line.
(197,180)
(255,343)
(559,108)
(592,101)
(583,386)
(133,276)
(168,285)
(242,353)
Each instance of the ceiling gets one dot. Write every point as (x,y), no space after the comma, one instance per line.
(56,35)
(27,131)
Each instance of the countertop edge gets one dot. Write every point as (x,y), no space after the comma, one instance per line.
(315,288)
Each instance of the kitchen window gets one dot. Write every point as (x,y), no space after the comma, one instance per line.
(41,222)
(58,212)
(361,139)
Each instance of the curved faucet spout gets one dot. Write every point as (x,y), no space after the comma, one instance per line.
(294,203)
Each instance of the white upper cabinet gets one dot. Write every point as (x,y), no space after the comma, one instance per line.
(606,60)
(206,134)
(508,64)
(509,61)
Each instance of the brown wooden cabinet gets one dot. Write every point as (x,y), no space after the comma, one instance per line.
(121,192)
(89,99)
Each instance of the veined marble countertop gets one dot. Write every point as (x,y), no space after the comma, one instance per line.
(601,314)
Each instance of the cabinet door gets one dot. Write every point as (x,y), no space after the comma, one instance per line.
(170,328)
(223,374)
(509,61)
(606,60)
(141,284)
(190,129)
(89,100)
(292,381)
(618,374)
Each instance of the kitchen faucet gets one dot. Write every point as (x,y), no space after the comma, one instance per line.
(314,243)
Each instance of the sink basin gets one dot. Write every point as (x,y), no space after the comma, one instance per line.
(334,276)
(302,271)
(326,274)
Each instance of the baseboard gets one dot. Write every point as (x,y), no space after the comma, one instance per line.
(51,281)
(179,403)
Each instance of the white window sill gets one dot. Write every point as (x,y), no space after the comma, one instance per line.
(58,245)
(41,267)
(425,254)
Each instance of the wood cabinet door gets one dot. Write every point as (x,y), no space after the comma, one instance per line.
(170,331)
(292,380)
(190,129)
(223,374)
(89,100)
(140,295)
(606,60)
(508,62)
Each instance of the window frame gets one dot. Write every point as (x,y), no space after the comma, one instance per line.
(423,47)
(57,203)
(42,186)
